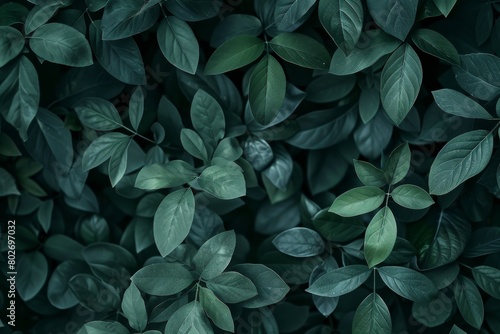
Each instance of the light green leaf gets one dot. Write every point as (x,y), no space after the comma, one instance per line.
(122,58)
(469,301)
(396,17)
(411,197)
(228,149)
(445,6)
(162,279)
(208,119)
(216,310)
(134,309)
(223,181)
(372,316)
(189,319)
(136,108)
(61,44)
(19,94)
(193,144)
(267,89)
(290,14)
(118,162)
(369,174)
(123,19)
(460,159)
(358,201)
(102,149)
(300,50)
(173,220)
(299,242)
(215,254)
(488,279)
(7,184)
(11,44)
(435,44)
(398,164)
(234,53)
(456,103)
(32,270)
(408,283)
(98,114)
(103,327)
(340,281)
(178,44)
(377,45)
(270,286)
(175,173)
(343,20)
(400,82)
(232,287)
(380,237)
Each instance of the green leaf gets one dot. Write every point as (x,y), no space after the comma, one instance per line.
(232,287)
(44,214)
(32,270)
(173,220)
(175,173)
(178,44)
(61,248)
(456,103)
(358,201)
(123,19)
(300,50)
(435,44)
(223,181)
(234,53)
(400,82)
(189,319)
(235,25)
(380,237)
(369,175)
(11,13)
(61,44)
(134,309)
(424,313)
(340,281)
(7,184)
(216,310)
(479,75)
(369,103)
(98,114)
(299,242)
(398,164)
(455,329)
(7,146)
(445,6)
(377,45)
(343,20)
(162,279)
(208,119)
(102,149)
(136,108)
(215,254)
(11,44)
(103,327)
(372,316)
(122,58)
(483,241)
(329,88)
(118,162)
(408,283)
(337,228)
(193,144)
(469,301)
(19,94)
(270,287)
(488,279)
(228,149)
(411,197)
(58,291)
(42,13)
(395,17)
(289,14)
(460,159)
(267,89)
(95,5)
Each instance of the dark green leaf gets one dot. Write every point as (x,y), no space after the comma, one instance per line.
(358,201)
(299,242)
(460,159)
(103,327)
(289,14)
(469,301)
(280,170)
(456,330)
(395,17)
(398,164)
(411,197)
(337,228)
(445,6)
(300,50)
(488,279)
(178,44)
(479,75)
(32,272)
(400,82)
(408,283)
(456,103)
(343,20)
(235,25)
(232,287)
(215,254)
(102,149)
(380,237)
(234,53)
(7,184)
(58,291)
(330,88)
(196,10)
(340,281)
(216,310)
(189,319)
(372,316)
(11,13)
(162,279)
(11,44)
(435,44)
(484,241)
(373,137)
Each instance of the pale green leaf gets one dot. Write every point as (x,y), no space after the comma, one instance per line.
(340,281)
(358,201)
(216,310)
(175,173)
(380,237)
(411,197)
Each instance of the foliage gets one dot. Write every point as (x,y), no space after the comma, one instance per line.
(266,166)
